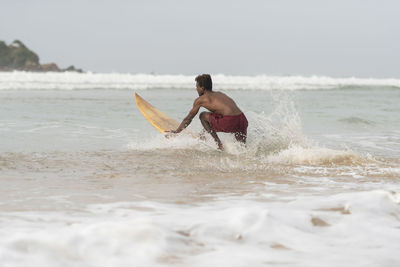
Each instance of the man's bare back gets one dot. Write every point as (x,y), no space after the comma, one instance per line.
(219,103)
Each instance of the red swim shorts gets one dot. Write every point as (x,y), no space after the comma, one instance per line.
(229,124)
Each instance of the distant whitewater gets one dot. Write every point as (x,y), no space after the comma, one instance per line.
(77,81)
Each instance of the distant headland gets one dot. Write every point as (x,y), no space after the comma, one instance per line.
(17,56)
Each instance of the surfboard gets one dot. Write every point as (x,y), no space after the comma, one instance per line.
(159,120)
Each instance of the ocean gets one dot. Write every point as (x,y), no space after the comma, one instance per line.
(85,180)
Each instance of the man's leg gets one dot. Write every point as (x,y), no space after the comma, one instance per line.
(205,121)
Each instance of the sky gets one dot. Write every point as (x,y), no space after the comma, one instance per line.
(340,38)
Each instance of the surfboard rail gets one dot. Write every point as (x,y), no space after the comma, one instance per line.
(159,120)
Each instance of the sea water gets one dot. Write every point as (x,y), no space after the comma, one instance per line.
(86,181)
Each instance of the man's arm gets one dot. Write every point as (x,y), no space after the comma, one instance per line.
(188,119)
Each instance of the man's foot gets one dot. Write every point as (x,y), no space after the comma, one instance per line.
(220,147)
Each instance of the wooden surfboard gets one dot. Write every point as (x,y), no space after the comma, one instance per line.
(155,117)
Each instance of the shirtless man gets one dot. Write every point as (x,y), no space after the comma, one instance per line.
(225,116)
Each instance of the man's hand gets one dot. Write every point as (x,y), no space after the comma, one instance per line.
(170,133)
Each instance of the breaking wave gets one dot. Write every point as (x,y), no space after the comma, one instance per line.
(274,138)
(81,81)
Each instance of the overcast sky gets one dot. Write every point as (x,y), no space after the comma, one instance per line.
(338,38)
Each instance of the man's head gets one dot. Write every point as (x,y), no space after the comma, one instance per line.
(203,83)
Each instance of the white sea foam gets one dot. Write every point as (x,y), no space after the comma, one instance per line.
(314,156)
(360,228)
(80,81)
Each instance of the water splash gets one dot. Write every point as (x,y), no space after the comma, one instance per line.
(278,130)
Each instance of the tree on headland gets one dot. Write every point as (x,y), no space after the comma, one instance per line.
(17,56)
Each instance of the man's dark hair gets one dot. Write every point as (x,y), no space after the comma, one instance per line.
(205,81)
